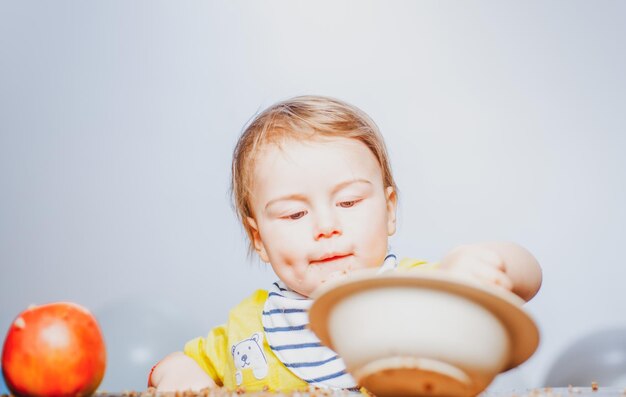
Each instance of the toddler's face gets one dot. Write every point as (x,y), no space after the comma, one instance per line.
(320,210)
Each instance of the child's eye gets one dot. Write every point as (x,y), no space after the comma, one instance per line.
(348,204)
(296,215)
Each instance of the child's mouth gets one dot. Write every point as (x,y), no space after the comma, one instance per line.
(330,258)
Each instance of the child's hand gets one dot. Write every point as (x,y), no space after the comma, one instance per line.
(503,264)
(178,372)
(479,263)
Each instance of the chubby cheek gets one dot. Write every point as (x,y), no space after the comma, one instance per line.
(377,249)
(285,245)
(373,241)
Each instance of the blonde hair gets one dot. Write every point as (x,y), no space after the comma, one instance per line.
(300,118)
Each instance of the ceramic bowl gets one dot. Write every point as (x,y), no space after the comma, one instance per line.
(422,333)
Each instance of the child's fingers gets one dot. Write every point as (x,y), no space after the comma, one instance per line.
(472,256)
(478,263)
(491,258)
(492,275)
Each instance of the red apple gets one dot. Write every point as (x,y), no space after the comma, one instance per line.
(54,350)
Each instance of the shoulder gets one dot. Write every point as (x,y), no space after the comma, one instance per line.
(253,302)
(412,263)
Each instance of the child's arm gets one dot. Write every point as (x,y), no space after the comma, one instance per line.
(179,372)
(501,263)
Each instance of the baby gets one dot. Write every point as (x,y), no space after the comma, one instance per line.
(313,187)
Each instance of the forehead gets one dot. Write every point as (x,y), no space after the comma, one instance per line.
(302,165)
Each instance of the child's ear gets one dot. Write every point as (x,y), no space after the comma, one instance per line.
(392,204)
(256,240)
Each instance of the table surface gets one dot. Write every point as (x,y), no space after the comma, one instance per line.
(560,392)
(537,392)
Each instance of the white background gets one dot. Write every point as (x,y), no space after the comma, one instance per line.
(504,120)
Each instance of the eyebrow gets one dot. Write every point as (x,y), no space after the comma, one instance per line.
(301,197)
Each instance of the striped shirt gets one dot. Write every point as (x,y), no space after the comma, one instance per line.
(285,322)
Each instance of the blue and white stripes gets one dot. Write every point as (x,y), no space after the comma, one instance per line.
(285,322)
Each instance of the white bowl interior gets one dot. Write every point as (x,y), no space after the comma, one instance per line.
(422,333)
(421,323)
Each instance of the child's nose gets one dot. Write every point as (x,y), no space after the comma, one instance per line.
(326,233)
(327,226)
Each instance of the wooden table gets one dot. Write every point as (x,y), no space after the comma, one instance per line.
(537,392)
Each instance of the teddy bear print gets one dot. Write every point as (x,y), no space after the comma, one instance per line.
(249,354)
